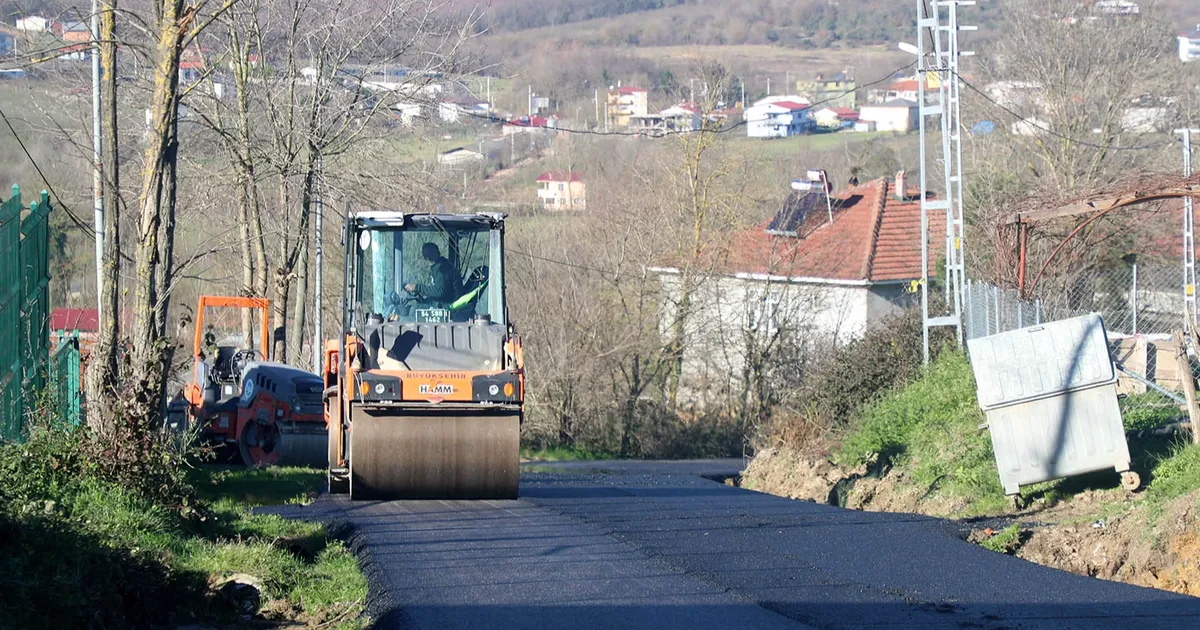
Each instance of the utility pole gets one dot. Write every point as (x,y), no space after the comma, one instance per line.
(768,85)
(743,95)
(1189,237)
(937,20)
(97,162)
(531,100)
(319,250)
(692,90)
(489,95)
(596,99)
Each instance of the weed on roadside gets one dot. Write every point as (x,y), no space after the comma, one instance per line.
(1006,541)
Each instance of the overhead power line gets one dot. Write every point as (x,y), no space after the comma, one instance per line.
(80,223)
(1034,124)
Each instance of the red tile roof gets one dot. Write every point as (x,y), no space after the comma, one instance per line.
(629,89)
(873,238)
(559,176)
(791,105)
(81,319)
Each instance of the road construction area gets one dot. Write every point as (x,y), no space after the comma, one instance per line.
(666,545)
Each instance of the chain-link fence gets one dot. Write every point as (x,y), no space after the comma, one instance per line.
(1142,307)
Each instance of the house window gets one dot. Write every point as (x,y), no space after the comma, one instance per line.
(562,187)
(763,316)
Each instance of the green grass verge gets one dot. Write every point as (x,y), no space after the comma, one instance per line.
(79,550)
(1174,476)
(931,429)
(562,454)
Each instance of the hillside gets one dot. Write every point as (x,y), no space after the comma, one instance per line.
(789,23)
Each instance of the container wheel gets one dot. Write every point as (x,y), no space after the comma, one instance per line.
(1131,481)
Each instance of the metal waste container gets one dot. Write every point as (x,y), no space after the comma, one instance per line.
(1049,392)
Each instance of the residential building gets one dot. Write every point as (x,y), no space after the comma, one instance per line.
(777,120)
(33,24)
(561,190)
(464,110)
(407,113)
(836,91)
(1189,45)
(526,124)
(1117,7)
(76,32)
(791,98)
(804,279)
(674,119)
(897,115)
(626,102)
(1147,114)
(459,156)
(835,117)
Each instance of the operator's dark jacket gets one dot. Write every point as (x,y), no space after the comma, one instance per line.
(444,285)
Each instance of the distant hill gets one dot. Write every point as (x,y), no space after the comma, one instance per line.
(788,23)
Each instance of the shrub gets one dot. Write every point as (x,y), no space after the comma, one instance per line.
(862,371)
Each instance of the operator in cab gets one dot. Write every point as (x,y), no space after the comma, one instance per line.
(441,289)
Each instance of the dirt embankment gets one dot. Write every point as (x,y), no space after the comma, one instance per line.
(1161,552)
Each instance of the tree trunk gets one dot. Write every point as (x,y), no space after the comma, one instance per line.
(102,366)
(283,279)
(148,308)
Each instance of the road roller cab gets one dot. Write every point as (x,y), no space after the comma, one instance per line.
(426,384)
(270,412)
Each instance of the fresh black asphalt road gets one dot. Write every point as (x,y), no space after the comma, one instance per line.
(657,545)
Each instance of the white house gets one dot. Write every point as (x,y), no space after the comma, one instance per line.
(777,120)
(674,119)
(791,98)
(33,24)
(1117,7)
(835,117)
(561,190)
(802,279)
(1189,45)
(897,115)
(406,112)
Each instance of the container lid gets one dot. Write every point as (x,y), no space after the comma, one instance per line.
(1041,361)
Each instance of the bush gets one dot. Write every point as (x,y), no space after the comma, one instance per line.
(84,543)
(865,369)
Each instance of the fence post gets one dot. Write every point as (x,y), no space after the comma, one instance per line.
(1020,313)
(1133,300)
(969,315)
(1037,312)
(996,300)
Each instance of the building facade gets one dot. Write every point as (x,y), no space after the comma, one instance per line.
(626,102)
(1189,45)
(835,91)
(777,120)
(816,285)
(559,191)
(897,115)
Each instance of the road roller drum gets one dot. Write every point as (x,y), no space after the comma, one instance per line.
(425,454)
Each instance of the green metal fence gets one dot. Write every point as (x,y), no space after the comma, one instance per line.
(66,377)
(24,308)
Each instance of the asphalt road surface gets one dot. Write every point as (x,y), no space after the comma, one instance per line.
(657,545)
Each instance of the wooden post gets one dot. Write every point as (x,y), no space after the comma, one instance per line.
(1188,379)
